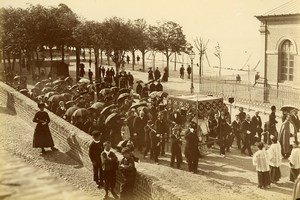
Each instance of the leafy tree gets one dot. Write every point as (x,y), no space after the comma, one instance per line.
(168,38)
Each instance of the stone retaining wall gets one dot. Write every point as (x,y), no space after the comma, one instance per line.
(75,143)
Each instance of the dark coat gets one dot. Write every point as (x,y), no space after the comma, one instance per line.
(128,169)
(95,151)
(42,136)
(256,124)
(245,127)
(295,120)
(191,150)
(152,87)
(178,119)
(109,162)
(157,74)
(159,87)
(139,89)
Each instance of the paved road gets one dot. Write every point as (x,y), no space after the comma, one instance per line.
(20,180)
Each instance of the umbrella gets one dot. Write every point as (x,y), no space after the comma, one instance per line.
(98,105)
(66,96)
(153,94)
(84,80)
(68,78)
(70,111)
(114,89)
(123,96)
(38,84)
(74,87)
(162,94)
(56,98)
(122,143)
(288,108)
(16,78)
(139,81)
(136,105)
(49,94)
(150,81)
(35,89)
(48,85)
(111,117)
(124,90)
(107,108)
(46,89)
(105,91)
(58,81)
(81,112)
(45,81)
(24,91)
(68,103)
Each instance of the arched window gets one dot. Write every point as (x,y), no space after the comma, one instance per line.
(286,62)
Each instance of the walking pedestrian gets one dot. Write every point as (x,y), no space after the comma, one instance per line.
(42,137)
(95,150)
(150,74)
(191,150)
(127,59)
(109,165)
(246,135)
(256,126)
(261,161)
(176,147)
(157,74)
(181,71)
(275,159)
(189,71)
(273,122)
(162,130)
(286,130)
(235,126)
(90,74)
(128,173)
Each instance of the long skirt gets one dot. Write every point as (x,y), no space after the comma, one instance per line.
(294,173)
(263,179)
(42,137)
(275,174)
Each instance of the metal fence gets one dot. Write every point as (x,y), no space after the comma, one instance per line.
(252,95)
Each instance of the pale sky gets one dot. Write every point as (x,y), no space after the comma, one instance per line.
(229,22)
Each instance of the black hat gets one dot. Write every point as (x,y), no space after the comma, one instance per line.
(273,107)
(96,133)
(41,105)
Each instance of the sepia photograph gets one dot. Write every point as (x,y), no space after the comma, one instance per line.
(149,100)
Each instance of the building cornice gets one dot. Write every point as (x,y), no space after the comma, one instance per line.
(264,18)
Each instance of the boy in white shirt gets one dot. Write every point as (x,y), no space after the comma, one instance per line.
(295,161)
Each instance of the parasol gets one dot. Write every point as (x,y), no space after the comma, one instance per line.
(58,81)
(38,84)
(56,98)
(84,80)
(70,111)
(45,81)
(124,90)
(46,89)
(48,85)
(114,89)
(123,96)
(73,87)
(136,105)
(49,94)
(162,94)
(153,94)
(288,108)
(16,78)
(111,117)
(81,112)
(98,105)
(107,108)
(24,91)
(105,91)
(139,81)
(150,81)
(66,96)
(35,89)
(69,103)
(68,78)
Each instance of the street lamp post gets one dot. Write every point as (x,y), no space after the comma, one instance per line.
(192,56)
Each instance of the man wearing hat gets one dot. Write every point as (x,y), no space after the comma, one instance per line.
(273,122)
(128,172)
(95,150)
(191,150)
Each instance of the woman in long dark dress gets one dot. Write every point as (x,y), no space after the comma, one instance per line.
(42,137)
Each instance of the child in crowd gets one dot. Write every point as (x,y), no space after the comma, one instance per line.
(295,161)
(261,161)
(128,172)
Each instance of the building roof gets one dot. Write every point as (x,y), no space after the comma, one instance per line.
(290,8)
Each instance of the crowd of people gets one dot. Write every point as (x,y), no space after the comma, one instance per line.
(128,119)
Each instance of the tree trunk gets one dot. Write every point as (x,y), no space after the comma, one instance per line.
(37,61)
(20,61)
(108,60)
(77,63)
(133,59)
(14,61)
(96,52)
(63,53)
(175,62)
(4,63)
(168,58)
(8,58)
(83,53)
(101,57)
(143,60)
(51,59)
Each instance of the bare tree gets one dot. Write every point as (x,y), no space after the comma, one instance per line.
(218,55)
(201,45)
